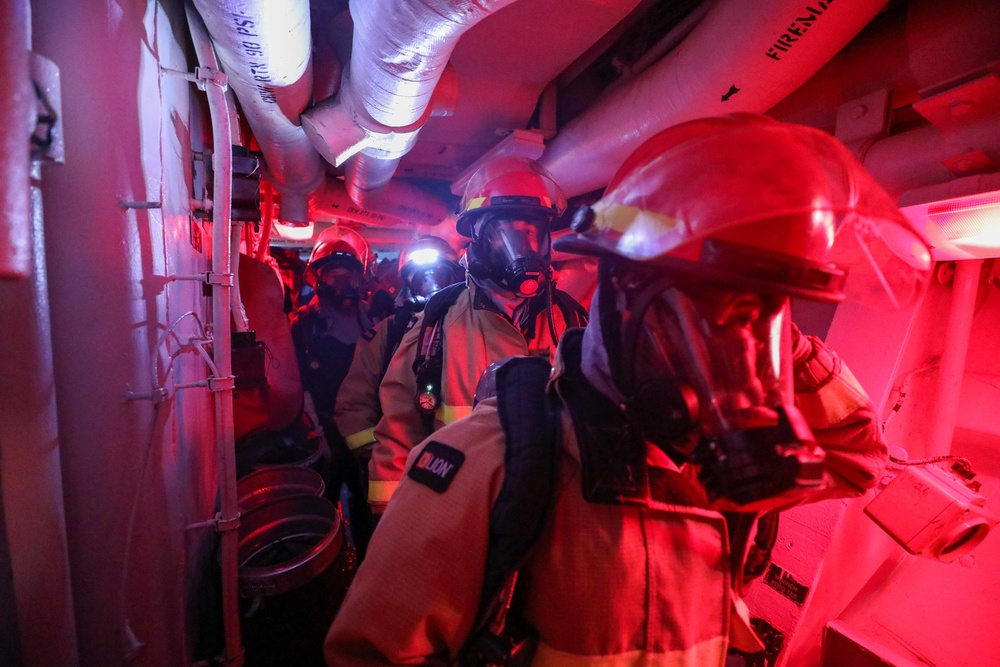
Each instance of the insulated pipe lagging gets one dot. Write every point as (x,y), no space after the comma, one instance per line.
(364,173)
(400,50)
(399,53)
(916,158)
(744,56)
(369,183)
(265,50)
(406,206)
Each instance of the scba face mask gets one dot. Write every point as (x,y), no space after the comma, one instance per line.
(427,282)
(513,252)
(713,384)
(338,285)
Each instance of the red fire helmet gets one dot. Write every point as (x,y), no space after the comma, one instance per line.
(333,243)
(744,199)
(510,183)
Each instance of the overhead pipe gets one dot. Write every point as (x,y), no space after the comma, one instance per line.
(265,50)
(901,51)
(664,45)
(955,349)
(367,181)
(741,57)
(400,52)
(227,520)
(16,114)
(917,158)
(400,204)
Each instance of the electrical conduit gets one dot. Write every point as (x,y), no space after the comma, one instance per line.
(228,518)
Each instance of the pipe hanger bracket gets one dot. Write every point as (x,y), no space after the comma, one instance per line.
(226,383)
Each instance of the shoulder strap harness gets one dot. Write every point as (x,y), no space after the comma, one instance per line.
(530,423)
(428,365)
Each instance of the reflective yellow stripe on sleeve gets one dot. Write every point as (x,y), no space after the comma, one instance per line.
(360,439)
(380,492)
(447,414)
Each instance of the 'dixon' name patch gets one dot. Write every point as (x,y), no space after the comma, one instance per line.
(369,335)
(436,465)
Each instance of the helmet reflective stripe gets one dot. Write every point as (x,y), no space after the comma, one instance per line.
(475,203)
(635,226)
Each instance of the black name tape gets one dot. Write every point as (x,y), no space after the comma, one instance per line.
(436,465)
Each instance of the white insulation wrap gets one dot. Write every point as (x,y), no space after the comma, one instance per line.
(744,56)
(265,50)
(401,48)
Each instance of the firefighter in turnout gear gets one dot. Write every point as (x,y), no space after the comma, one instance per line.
(425,267)
(508,307)
(325,332)
(688,405)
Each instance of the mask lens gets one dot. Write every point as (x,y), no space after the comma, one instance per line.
(338,283)
(425,283)
(730,348)
(511,238)
(518,253)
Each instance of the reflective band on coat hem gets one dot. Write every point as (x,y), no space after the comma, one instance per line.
(380,492)
(360,439)
(710,653)
(447,414)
